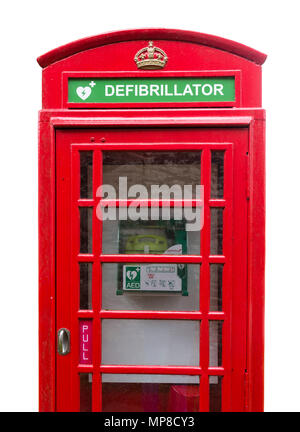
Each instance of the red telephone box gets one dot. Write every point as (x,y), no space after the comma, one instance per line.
(140,310)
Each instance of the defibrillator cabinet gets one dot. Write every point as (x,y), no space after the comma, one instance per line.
(151,224)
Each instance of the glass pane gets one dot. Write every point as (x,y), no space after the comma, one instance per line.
(217,174)
(86,174)
(152,168)
(215,393)
(85,392)
(85,285)
(150,393)
(150,342)
(215,343)
(216,231)
(216,282)
(163,231)
(167,277)
(86,233)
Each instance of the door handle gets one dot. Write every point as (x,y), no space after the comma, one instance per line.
(63,341)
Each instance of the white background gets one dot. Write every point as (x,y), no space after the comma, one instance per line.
(29,29)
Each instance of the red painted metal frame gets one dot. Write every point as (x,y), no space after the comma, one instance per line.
(255,122)
(205,316)
(200,53)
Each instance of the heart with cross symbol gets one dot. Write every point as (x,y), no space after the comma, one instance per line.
(83,92)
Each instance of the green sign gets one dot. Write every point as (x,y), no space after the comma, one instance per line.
(132,277)
(154,277)
(150,90)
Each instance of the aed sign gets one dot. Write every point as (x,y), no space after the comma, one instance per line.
(149,90)
(153,277)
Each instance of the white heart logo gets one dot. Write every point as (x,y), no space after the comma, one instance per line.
(83,92)
(131,275)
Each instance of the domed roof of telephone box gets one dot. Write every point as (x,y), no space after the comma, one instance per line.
(75,47)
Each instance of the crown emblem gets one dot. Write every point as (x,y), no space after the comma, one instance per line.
(150,57)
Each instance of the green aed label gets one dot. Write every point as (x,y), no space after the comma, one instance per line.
(132,277)
(151,90)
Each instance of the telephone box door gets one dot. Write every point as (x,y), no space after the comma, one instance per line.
(149,316)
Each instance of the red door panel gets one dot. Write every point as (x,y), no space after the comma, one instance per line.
(158,350)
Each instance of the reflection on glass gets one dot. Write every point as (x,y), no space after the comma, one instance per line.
(86,233)
(216,282)
(150,342)
(185,277)
(85,392)
(217,174)
(85,285)
(86,174)
(150,393)
(216,231)
(215,343)
(152,168)
(215,393)
(158,233)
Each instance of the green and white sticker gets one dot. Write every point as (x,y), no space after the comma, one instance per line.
(131,277)
(151,90)
(153,277)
